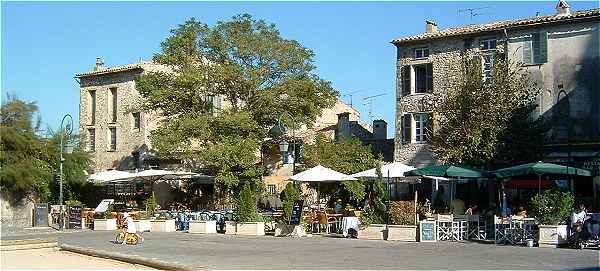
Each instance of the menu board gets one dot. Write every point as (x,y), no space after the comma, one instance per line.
(103,206)
(75,217)
(41,215)
(427,231)
(297,212)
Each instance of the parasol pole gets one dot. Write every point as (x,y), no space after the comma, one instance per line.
(539,184)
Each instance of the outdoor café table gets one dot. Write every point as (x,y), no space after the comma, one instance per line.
(349,222)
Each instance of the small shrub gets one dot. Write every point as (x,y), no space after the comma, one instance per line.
(246,205)
(74,202)
(403,212)
(552,207)
(150,205)
(289,195)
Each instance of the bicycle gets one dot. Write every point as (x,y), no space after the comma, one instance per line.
(128,238)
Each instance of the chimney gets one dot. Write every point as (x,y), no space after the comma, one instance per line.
(99,64)
(379,129)
(563,8)
(430,26)
(343,125)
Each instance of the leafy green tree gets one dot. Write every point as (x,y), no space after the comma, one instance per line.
(23,158)
(259,75)
(30,163)
(347,156)
(479,121)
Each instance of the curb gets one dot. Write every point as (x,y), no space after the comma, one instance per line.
(28,246)
(9,245)
(133,259)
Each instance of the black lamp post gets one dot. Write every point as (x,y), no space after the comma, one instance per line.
(64,131)
(284,145)
(564,112)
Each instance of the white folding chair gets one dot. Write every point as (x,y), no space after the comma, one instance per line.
(460,227)
(444,225)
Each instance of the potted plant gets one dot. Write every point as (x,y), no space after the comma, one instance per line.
(403,221)
(283,227)
(552,210)
(247,221)
(107,222)
(158,224)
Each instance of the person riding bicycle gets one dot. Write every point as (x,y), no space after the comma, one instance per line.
(578,219)
(128,224)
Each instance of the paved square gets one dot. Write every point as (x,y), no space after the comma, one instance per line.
(318,252)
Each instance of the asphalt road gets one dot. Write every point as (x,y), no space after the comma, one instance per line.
(318,252)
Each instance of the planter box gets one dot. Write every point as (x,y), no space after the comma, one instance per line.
(290,230)
(250,228)
(142,225)
(162,225)
(105,224)
(203,226)
(373,232)
(402,233)
(553,235)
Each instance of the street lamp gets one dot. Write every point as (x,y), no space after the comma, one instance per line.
(64,130)
(564,112)
(284,145)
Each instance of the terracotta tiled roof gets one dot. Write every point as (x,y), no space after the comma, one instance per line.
(470,29)
(139,65)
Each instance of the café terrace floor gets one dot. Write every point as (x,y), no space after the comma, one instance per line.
(219,251)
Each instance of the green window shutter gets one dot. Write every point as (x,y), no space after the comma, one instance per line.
(527,59)
(406,128)
(543,44)
(405,73)
(429,83)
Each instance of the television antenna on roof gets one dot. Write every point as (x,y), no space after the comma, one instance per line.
(474,12)
(349,95)
(368,101)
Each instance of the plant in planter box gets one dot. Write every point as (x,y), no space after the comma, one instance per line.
(108,213)
(288,196)
(246,206)
(150,205)
(402,212)
(552,210)
(552,207)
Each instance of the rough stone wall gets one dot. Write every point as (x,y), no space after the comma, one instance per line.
(15,217)
(444,55)
(573,65)
(128,137)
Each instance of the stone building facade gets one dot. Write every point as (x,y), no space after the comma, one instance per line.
(560,50)
(110,127)
(562,53)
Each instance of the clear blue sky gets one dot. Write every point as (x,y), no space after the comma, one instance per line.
(45,43)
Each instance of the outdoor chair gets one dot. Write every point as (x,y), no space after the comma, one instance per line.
(477,227)
(325,222)
(504,231)
(444,225)
(460,227)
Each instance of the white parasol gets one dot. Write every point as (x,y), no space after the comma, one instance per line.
(110,176)
(391,170)
(321,174)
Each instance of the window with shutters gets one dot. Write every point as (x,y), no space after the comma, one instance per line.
(489,44)
(535,51)
(112,106)
(406,128)
(487,67)
(421,52)
(271,189)
(112,138)
(92,140)
(137,120)
(423,78)
(92,106)
(421,127)
(405,71)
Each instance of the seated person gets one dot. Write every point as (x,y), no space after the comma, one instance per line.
(457,206)
(338,206)
(471,210)
(522,212)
